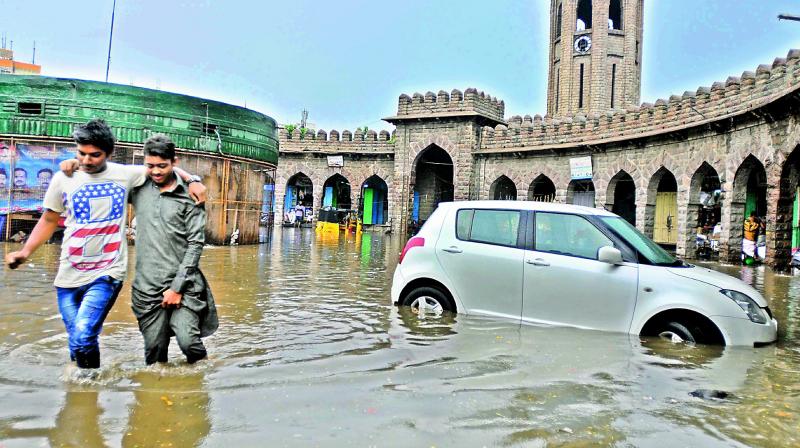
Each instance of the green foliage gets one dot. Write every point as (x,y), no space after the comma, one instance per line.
(303,132)
(290,129)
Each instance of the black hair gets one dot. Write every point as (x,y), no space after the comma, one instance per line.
(95,133)
(44,170)
(3,171)
(21,169)
(161,146)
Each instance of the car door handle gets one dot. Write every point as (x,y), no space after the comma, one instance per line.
(537,262)
(452,250)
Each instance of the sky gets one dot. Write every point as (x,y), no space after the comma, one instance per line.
(347,61)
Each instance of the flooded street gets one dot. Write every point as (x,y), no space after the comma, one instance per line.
(310,353)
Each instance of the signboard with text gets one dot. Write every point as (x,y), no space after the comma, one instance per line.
(580,168)
(336,161)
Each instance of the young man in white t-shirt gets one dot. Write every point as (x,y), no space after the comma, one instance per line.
(94,256)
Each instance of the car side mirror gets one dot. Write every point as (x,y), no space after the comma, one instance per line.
(610,255)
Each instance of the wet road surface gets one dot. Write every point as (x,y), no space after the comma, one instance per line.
(309,353)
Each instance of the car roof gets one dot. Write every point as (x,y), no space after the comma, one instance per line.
(529,205)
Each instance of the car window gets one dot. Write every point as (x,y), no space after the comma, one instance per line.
(464,224)
(495,227)
(654,253)
(566,234)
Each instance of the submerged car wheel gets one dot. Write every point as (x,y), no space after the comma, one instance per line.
(678,332)
(428,300)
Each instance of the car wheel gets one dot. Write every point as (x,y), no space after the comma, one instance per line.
(678,332)
(428,300)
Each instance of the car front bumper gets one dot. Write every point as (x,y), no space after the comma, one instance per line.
(745,332)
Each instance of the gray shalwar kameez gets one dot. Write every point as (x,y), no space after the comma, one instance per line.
(170,234)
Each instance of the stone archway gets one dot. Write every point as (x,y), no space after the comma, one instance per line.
(787,222)
(299,191)
(581,192)
(374,207)
(542,189)
(621,196)
(749,194)
(432,182)
(661,208)
(336,192)
(503,189)
(704,209)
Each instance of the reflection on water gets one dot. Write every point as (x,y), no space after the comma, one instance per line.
(310,353)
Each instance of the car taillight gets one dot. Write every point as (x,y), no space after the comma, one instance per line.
(413,242)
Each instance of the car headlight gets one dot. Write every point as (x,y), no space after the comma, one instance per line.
(748,305)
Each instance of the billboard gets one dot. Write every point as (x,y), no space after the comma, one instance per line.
(26,170)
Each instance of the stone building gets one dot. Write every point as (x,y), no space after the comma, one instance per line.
(706,157)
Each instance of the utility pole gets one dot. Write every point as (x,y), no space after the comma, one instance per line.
(304,119)
(789,17)
(33,60)
(110,37)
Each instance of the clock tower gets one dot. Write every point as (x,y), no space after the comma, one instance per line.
(595,56)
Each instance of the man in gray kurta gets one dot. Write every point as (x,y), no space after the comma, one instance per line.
(168,298)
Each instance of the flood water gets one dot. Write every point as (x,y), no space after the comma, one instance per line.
(310,353)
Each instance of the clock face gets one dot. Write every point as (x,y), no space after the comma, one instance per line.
(583,44)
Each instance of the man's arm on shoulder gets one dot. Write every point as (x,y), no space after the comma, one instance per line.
(196,238)
(196,189)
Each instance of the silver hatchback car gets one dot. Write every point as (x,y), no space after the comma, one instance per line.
(574,266)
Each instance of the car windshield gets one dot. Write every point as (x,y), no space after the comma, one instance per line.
(647,247)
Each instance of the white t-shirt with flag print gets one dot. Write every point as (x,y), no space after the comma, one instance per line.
(95,207)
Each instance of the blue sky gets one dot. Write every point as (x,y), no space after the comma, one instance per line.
(347,61)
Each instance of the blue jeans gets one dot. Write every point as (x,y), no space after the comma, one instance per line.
(83,310)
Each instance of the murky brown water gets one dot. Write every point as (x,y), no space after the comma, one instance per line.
(309,353)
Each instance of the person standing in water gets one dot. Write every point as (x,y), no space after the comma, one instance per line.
(170,295)
(94,257)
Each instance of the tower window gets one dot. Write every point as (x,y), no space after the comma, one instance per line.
(559,16)
(580,90)
(613,83)
(558,87)
(584,21)
(615,15)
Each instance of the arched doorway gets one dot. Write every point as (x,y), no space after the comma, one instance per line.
(704,212)
(542,189)
(336,192)
(621,196)
(374,201)
(581,192)
(749,196)
(299,191)
(661,214)
(433,182)
(503,189)
(788,212)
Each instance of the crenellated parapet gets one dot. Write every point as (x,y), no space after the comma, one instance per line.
(454,104)
(334,141)
(707,105)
